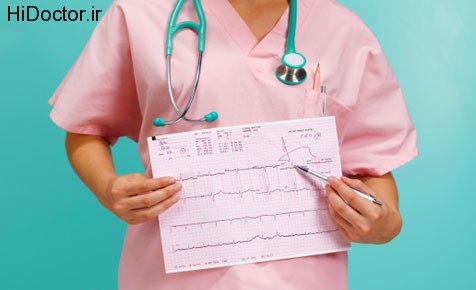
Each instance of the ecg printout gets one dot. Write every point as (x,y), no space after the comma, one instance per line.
(242,200)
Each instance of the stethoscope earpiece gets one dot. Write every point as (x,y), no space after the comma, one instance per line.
(210,117)
(159,122)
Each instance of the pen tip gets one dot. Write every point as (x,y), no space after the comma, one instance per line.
(303,168)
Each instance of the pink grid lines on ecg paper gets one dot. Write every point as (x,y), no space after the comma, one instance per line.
(242,200)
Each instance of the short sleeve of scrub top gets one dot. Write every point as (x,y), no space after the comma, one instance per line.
(118,86)
(98,96)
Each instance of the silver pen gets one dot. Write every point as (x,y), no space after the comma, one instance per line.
(323,178)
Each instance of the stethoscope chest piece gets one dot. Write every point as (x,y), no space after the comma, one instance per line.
(291,71)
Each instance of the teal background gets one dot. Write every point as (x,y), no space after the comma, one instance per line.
(55,235)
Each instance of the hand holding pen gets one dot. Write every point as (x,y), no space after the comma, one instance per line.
(360,219)
(324,179)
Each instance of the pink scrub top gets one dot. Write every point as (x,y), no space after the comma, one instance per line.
(118,86)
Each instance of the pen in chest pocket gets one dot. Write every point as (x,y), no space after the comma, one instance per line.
(317,78)
(323,90)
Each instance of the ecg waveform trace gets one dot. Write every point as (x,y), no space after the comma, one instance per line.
(287,153)
(276,235)
(248,218)
(242,200)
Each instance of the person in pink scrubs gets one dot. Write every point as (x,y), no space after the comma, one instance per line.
(118,86)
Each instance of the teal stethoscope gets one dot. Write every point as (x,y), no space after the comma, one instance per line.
(290,72)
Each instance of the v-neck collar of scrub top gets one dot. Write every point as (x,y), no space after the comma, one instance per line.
(242,35)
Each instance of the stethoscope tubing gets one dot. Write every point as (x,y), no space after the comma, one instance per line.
(291,72)
(182,114)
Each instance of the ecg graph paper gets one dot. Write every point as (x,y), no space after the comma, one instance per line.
(242,200)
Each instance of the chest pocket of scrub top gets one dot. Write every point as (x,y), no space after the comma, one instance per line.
(314,105)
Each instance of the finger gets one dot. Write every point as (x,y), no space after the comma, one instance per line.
(342,225)
(344,210)
(152,212)
(338,219)
(371,210)
(355,201)
(152,198)
(147,185)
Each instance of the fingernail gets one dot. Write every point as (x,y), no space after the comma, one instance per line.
(170,180)
(175,198)
(331,179)
(178,186)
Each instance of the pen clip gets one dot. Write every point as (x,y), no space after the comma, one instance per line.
(324,102)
